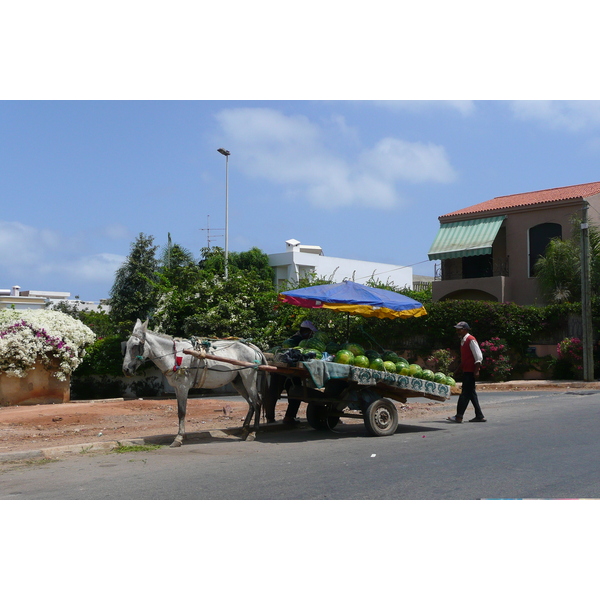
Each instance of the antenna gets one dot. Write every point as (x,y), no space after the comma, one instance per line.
(209,237)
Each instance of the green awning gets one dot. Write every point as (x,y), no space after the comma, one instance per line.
(465,238)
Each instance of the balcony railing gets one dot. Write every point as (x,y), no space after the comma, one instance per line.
(454,269)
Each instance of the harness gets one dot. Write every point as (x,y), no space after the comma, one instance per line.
(201,345)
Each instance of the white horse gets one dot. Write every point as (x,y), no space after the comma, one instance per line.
(184,371)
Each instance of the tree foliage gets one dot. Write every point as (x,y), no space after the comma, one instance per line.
(133,294)
(559,271)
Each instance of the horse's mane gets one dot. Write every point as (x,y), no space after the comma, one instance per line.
(165,336)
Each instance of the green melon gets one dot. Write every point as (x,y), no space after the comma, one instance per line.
(415,370)
(356,349)
(389,366)
(439,377)
(361,361)
(344,357)
(404,370)
(376,364)
(321,336)
(318,344)
(427,374)
(332,347)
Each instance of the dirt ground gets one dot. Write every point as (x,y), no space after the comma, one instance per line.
(44,426)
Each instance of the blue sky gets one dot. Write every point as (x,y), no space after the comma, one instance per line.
(363,179)
(342,128)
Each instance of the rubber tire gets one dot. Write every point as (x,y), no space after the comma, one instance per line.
(316,415)
(381,417)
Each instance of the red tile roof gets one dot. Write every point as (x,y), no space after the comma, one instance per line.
(583,190)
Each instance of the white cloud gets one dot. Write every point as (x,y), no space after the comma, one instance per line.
(24,245)
(464,107)
(116,231)
(411,161)
(26,250)
(297,153)
(569,115)
(99,268)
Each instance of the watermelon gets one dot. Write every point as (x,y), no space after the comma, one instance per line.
(361,361)
(389,366)
(403,370)
(332,347)
(450,381)
(371,354)
(376,364)
(321,336)
(427,374)
(402,360)
(318,344)
(344,357)
(439,377)
(356,349)
(390,355)
(318,353)
(289,343)
(415,370)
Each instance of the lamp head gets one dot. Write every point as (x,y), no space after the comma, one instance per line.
(224,152)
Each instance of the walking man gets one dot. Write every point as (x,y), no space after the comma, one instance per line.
(470,362)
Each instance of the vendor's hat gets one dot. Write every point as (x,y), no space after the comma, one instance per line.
(308,325)
(462,325)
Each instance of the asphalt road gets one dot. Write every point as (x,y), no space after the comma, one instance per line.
(534,445)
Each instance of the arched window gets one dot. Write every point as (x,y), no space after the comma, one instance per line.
(539,238)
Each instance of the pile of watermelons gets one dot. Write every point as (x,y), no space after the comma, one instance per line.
(352,353)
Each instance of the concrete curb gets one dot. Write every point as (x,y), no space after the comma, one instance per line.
(159,440)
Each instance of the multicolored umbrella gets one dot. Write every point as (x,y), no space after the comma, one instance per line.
(355,298)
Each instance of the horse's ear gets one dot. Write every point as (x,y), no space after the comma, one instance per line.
(145,325)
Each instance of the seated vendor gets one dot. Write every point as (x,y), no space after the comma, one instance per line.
(280,382)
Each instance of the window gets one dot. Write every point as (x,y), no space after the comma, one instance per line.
(539,238)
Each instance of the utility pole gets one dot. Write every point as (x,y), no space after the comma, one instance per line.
(586,301)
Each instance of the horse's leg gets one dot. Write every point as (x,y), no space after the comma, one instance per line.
(182,396)
(241,388)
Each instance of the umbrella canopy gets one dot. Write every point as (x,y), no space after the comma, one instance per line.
(355,298)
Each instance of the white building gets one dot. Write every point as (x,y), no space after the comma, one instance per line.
(300,261)
(36,299)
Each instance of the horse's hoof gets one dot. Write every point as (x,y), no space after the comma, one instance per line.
(176,443)
(249,436)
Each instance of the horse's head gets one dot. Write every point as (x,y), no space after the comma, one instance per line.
(136,349)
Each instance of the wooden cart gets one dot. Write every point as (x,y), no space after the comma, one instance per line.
(334,391)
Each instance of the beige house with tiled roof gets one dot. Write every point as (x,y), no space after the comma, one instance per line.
(488,250)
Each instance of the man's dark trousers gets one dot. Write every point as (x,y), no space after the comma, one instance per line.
(468,394)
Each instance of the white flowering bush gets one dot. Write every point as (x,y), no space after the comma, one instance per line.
(55,339)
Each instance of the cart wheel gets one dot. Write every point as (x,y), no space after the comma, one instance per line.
(381,417)
(316,415)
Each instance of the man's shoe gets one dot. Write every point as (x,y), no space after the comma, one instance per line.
(478,420)
(455,419)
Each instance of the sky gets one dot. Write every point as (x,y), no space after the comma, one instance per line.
(365,180)
(349,131)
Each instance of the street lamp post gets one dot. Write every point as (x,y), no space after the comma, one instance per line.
(226,154)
